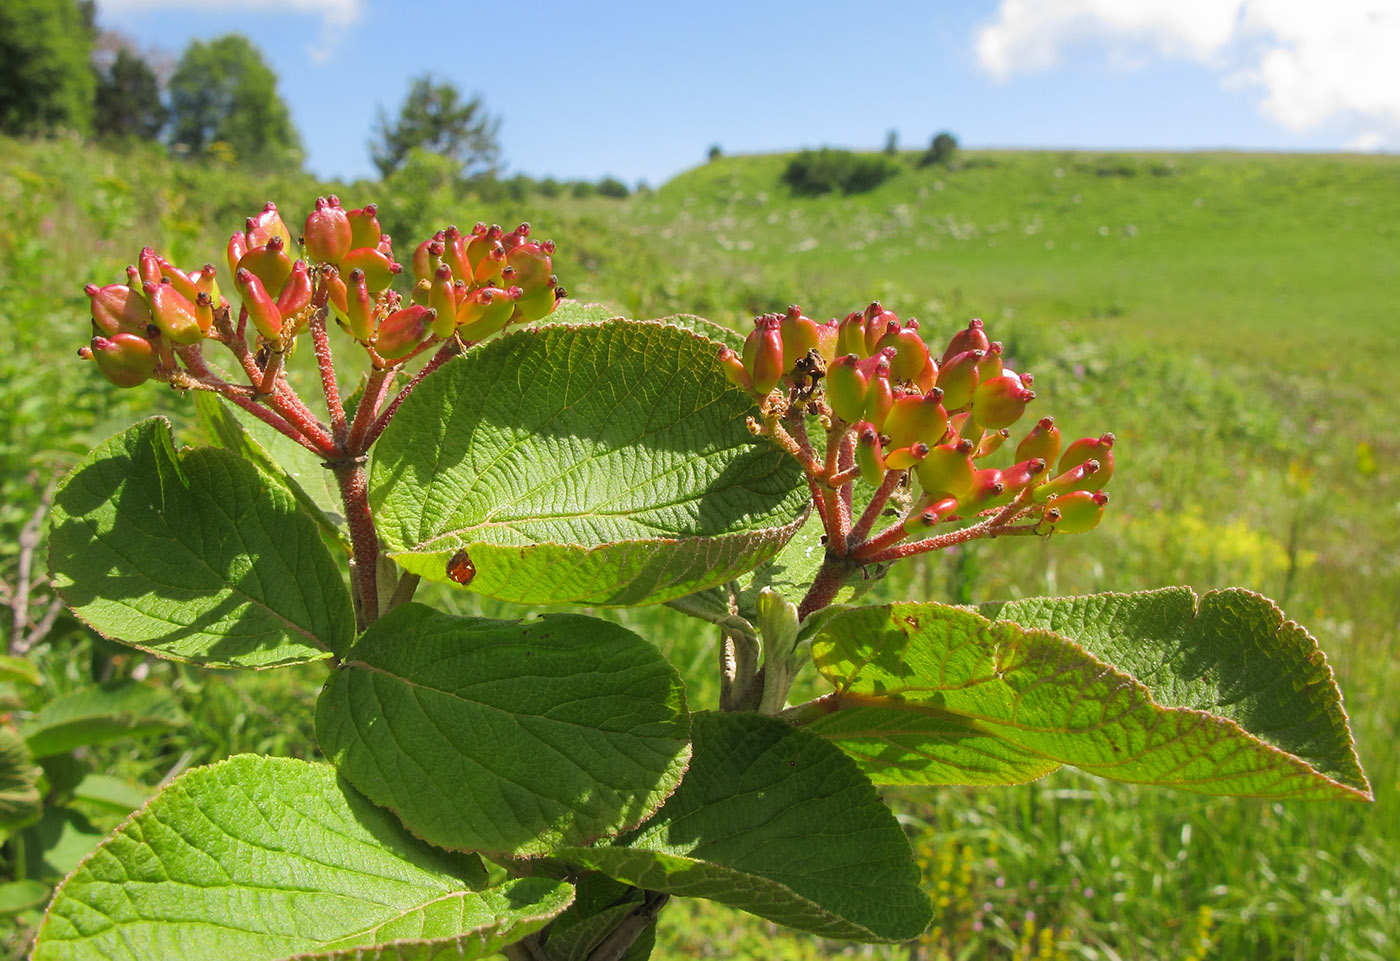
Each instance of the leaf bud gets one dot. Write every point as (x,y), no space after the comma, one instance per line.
(870,456)
(1098,448)
(379,268)
(125,359)
(971,338)
(173,314)
(1000,402)
(261,308)
(1042,441)
(915,417)
(327,233)
(957,378)
(364,227)
(402,331)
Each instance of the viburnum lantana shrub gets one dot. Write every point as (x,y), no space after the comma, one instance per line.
(542,786)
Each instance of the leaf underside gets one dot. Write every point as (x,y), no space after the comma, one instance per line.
(1220,696)
(193,555)
(777,822)
(267,858)
(507,737)
(604,463)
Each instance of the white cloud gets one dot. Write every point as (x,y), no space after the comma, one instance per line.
(1314,61)
(337,16)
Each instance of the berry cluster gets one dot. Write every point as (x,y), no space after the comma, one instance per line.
(891,409)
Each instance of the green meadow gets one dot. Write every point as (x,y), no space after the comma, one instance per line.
(1232,318)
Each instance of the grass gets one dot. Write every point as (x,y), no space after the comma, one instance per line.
(1230,317)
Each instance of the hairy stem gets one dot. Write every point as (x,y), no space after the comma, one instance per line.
(872,511)
(350,475)
(834,572)
(449,350)
(329,387)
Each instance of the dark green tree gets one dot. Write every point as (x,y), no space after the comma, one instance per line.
(45,77)
(128,99)
(435,117)
(223,91)
(941,150)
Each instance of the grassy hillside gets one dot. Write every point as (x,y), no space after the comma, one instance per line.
(1231,317)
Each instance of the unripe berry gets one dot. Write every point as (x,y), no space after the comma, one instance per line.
(296,292)
(379,269)
(870,456)
(877,322)
(971,338)
(532,266)
(850,336)
(991,443)
(117,308)
(957,378)
(359,307)
(936,511)
(174,314)
(537,306)
(799,336)
(488,269)
(1086,448)
(204,311)
(911,354)
(903,458)
(261,308)
(269,264)
(991,366)
(443,298)
(1079,477)
(1000,402)
(948,470)
(763,353)
(916,418)
(987,488)
(484,239)
(402,331)
(846,388)
(237,247)
(149,265)
(364,228)
(265,226)
(826,340)
(1043,441)
(125,359)
(327,233)
(1021,475)
(733,368)
(1079,511)
(879,395)
(485,311)
(423,266)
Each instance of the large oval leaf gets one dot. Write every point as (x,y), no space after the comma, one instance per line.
(268,858)
(1226,698)
(506,736)
(602,463)
(193,555)
(775,821)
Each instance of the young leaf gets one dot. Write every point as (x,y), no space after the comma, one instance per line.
(604,464)
(1222,699)
(18,896)
(777,822)
(193,555)
(506,736)
(282,459)
(268,858)
(93,715)
(19,670)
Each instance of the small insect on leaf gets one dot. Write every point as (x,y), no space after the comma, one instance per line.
(460,568)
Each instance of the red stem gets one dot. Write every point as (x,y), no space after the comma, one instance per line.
(942,541)
(339,429)
(862,527)
(448,351)
(350,475)
(194,360)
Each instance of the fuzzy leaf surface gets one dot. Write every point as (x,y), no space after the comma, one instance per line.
(602,463)
(194,555)
(1218,695)
(94,715)
(267,858)
(511,737)
(775,821)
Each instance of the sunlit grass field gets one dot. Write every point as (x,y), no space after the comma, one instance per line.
(1232,318)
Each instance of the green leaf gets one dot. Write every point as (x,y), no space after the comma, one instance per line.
(267,858)
(19,896)
(113,793)
(600,903)
(506,736)
(55,844)
(775,821)
(94,715)
(603,464)
(576,312)
(19,781)
(193,555)
(280,458)
(19,670)
(1224,698)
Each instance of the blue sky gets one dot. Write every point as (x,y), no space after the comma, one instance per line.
(641,90)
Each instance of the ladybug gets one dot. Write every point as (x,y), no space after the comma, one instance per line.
(460,568)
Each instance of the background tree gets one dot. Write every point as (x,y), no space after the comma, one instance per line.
(435,117)
(224,91)
(941,150)
(128,99)
(45,80)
